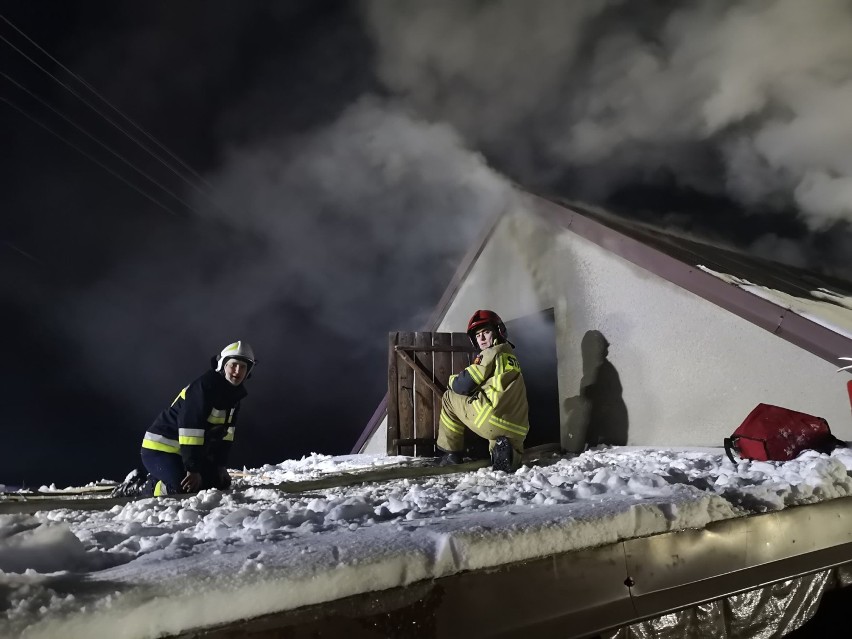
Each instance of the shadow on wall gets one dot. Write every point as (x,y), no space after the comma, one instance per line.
(598,415)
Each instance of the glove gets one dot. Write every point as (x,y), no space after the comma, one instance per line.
(224,478)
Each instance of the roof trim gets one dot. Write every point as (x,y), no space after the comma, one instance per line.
(785,323)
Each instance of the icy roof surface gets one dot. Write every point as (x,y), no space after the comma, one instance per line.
(161,566)
(835,313)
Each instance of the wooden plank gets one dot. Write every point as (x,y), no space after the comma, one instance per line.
(424,391)
(463,355)
(414,395)
(379,475)
(418,368)
(540,456)
(443,367)
(393,395)
(405,400)
(24,495)
(439,349)
(38,505)
(419,441)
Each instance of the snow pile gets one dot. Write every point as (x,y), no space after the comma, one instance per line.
(154,567)
(315,466)
(52,488)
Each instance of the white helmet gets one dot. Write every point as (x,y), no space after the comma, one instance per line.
(238,350)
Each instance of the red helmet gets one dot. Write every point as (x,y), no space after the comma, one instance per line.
(486,318)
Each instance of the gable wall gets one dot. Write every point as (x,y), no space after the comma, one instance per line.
(689,371)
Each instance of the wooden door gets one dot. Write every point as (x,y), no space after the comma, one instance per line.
(419,368)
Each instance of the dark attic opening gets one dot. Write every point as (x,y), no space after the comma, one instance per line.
(535,339)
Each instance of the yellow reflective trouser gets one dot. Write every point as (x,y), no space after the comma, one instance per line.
(457,413)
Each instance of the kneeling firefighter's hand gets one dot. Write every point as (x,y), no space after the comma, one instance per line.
(191,483)
(224,478)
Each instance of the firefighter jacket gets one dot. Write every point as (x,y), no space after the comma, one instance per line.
(200,423)
(497,391)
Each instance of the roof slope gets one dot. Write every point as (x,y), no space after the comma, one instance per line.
(690,250)
(682,261)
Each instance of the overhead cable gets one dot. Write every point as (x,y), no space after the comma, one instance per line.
(99,142)
(103,115)
(108,103)
(86,154)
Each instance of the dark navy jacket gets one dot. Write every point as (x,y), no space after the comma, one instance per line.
(200,423)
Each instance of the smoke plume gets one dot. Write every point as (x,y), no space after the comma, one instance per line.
(348,147)
(317,246)
(751,101)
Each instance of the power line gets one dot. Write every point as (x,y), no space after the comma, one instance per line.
(21,251)
(100,113)
(89,156)
(99,142)
(108,103)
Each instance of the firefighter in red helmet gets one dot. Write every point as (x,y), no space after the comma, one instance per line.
(488,397)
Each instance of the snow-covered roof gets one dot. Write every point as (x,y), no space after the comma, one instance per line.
(161,566)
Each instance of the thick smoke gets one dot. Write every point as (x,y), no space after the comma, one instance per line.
(317,246)
(335,215)
(342,143)
(752,100)
(374,208)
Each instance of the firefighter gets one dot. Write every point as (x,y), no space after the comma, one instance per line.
(488,397)
(186,448)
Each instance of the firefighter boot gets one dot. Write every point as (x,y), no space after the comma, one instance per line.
(501,455)
(450,459)
(132,486)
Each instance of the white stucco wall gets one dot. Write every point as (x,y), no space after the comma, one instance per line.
(377,444)
(690,370)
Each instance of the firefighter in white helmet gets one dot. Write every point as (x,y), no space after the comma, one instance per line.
(186,448)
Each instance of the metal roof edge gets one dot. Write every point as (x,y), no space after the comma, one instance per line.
(584,592)
(783,322)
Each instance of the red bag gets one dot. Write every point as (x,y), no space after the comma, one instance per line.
(779,434)
(849,388)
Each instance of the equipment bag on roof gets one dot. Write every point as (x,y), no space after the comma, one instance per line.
(779,434)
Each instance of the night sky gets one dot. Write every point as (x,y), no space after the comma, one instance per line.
(306,175)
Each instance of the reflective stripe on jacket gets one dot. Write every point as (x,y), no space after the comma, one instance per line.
(500,396)
(200,422)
